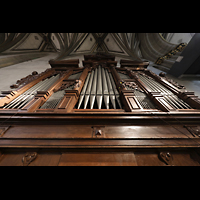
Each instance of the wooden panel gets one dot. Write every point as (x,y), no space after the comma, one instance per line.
(12,159)
(148,159)
(133,103)
(101,157)
(98,159)
(63,104)
(46,159)
(42,159)
(184,158)
(146,132)
(85,131)
(50,131)
(179,158)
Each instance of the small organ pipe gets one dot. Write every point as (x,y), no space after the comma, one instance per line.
(173,100)
(30,93)
(21,96)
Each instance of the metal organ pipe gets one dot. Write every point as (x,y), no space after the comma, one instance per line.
(87,94)
(110,89)
(99,86)
(24,98)
(172,99)
(115,90)
(83,90)
(105,89)
(99,89)
(54,100)
(93,90)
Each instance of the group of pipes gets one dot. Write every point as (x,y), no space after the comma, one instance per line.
(28,95)
(99,85)
(172,99)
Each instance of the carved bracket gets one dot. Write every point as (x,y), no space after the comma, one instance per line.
(166,157)
(28,158)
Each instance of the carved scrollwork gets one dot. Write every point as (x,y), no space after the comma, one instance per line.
(166,157)
(66,84)
(132,85)
(28,79)
(178,48)
(28,158)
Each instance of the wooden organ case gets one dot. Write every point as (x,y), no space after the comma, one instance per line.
(100,114)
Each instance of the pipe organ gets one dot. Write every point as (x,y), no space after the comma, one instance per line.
(99,114)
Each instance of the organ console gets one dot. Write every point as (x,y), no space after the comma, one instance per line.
(123,115)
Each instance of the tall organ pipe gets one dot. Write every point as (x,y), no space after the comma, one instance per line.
(99,88)
(115,90)
(87,94)
(110,89)
(83,90)
(105,89)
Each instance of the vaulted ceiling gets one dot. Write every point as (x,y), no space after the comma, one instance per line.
(135,46)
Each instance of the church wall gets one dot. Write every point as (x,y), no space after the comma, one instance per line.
(10,74)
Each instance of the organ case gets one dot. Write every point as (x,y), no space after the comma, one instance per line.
(99,109)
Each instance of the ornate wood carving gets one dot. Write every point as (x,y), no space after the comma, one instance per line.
(28,158)
(166,157)
(131,84)
(179,86)
(23,81)
(178,48)
(66,84)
